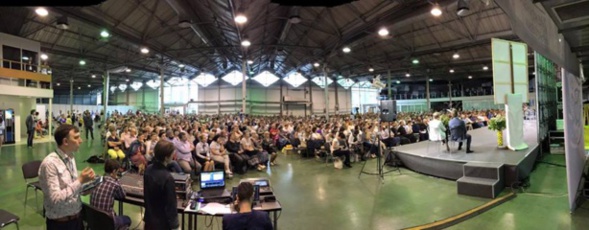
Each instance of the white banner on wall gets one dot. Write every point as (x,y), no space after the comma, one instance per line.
(573,125)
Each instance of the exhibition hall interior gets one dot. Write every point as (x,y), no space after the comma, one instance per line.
(284,114)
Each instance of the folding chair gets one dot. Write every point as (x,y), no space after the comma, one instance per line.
(30,170)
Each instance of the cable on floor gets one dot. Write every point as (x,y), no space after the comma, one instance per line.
(140,220)
(550,163)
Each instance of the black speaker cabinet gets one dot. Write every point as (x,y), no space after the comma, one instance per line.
(388,110)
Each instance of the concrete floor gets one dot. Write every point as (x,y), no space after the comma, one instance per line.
(314,195)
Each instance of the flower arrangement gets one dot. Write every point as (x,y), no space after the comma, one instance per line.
(498,124)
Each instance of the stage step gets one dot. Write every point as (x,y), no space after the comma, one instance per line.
(483,170)
(480,187)
(481,180)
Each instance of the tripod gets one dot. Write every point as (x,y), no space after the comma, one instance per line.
(379,164)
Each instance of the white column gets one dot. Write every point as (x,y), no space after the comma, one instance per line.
(243,85)
(326,90)
(219,96)
(162,108)
(389,85)
(450,93)
(105,92)
(429,105)
(72,96)
(50,118)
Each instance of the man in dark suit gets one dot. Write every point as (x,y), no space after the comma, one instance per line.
(458,131)
(30,122)
(89,124)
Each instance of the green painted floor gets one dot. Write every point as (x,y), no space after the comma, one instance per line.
(314,195)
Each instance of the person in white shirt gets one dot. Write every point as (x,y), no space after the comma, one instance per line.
(339,148)
(437,130)
(203,153)
(61,185)
(219,154)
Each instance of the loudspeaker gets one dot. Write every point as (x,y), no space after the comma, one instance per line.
(388,110)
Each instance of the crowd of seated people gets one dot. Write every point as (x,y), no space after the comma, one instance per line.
(237,144)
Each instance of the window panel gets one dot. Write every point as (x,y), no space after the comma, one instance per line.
(295,79)
(234,78)
(266,78)
(320,81)
(204,79)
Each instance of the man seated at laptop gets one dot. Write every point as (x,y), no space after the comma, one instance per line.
(103,196)
(246,218)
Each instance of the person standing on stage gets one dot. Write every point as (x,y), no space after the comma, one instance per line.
(61,185)
(159,188)
(89,124)
(30,122)
(458,131)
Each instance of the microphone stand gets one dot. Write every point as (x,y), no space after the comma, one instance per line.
(379,164)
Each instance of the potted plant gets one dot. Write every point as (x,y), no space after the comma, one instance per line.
(498,124)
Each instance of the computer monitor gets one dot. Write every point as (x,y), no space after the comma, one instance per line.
(211,180)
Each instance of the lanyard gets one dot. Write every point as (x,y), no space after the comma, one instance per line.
(68,165)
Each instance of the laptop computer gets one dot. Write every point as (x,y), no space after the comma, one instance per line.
(212,184)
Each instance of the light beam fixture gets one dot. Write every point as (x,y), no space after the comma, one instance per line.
(246,43)
(346,49)
(44,57)
(383,32)
(104,34)
(41,11)
(436,10)
(240,19)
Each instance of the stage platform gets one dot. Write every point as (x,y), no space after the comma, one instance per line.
(436,161)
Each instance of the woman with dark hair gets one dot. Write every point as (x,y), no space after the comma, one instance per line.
(161,211)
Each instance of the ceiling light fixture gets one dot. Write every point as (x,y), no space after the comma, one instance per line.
(57,84)
(295,19)
(104,34)
(82,62)
(407,75)
(469,77)
(249,62)
(144,50)
(181,65)
(127,70)
(383,32)
(430,80)
(398,82)
(436,11)
(451,70)
(462,8)
(346,49)
(240,19)
(25,58)
(62,23)
(245,43)
(415,61)
(485,68)
(41,11)
(127,80)
(93,75)
(316,64)
(456,56)
(44,57)
(89,86)
(371,69)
